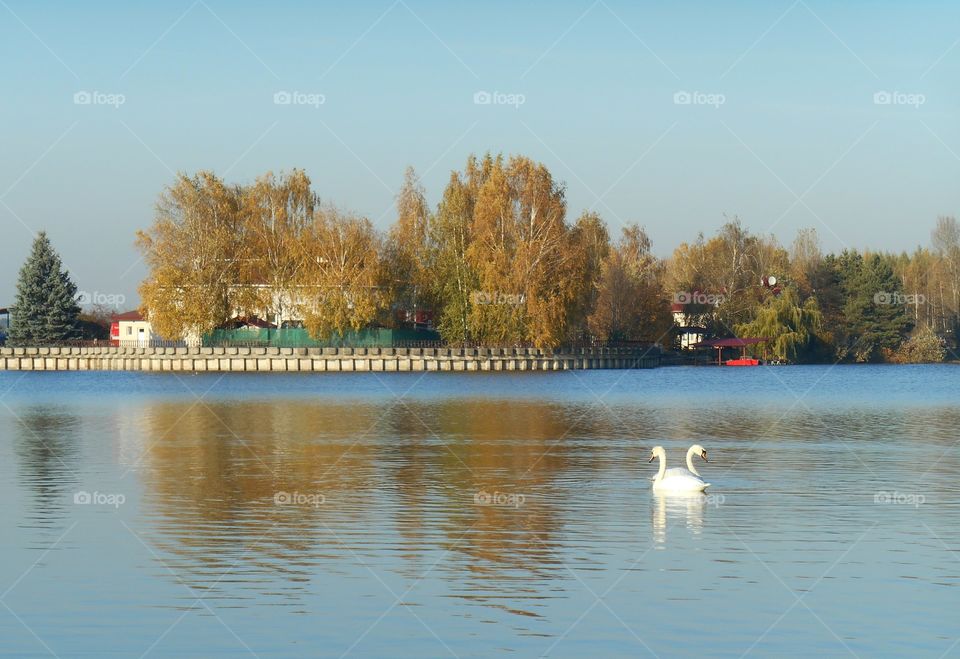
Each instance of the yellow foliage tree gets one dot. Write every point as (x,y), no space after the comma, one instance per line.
(340,284)
(194,252)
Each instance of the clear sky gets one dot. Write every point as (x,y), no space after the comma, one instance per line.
(841,116)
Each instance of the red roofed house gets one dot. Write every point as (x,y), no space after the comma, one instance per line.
(130,329)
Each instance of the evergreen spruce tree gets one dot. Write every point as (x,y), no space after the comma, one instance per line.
(875,316)
(45,308)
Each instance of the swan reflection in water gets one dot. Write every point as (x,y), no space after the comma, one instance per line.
(676,509)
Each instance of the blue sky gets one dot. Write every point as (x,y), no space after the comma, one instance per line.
(784,104)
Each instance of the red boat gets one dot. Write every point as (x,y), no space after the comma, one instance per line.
(743,362)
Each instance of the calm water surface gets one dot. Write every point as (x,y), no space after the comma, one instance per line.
(422,515)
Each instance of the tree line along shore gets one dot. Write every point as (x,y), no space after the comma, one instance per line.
(499,261)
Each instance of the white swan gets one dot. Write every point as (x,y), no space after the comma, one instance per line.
(697,450)
(679,480)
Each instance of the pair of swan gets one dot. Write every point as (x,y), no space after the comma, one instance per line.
(679,479)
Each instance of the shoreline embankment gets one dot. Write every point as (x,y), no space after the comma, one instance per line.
(322,360)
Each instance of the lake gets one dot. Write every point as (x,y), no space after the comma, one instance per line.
(471,515)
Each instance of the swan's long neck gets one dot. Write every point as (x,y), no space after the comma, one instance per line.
(663,467)
(693,470)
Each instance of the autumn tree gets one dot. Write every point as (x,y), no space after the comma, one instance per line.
(729,269)
(341,282)
(194,253)
(946,244)
(452,279)
(589,248)
(806,258)
(631,303)
(277,212)
(407,248)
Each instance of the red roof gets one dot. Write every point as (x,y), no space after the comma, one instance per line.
(128,316)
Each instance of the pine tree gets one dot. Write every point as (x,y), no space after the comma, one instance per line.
(874,314)
(46,309)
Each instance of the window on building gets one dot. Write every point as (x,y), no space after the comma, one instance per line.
(129,330)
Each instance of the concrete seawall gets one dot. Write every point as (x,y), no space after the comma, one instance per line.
(285,360)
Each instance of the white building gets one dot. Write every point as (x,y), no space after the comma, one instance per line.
(131,329)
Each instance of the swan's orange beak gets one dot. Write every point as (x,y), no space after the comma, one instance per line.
(652,458)
(704,456)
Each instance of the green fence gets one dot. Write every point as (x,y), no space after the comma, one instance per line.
(300,338)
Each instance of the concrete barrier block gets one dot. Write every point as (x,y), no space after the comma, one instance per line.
(278,364)
(390,364)
(305,364)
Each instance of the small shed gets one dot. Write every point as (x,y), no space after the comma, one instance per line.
(130,328)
